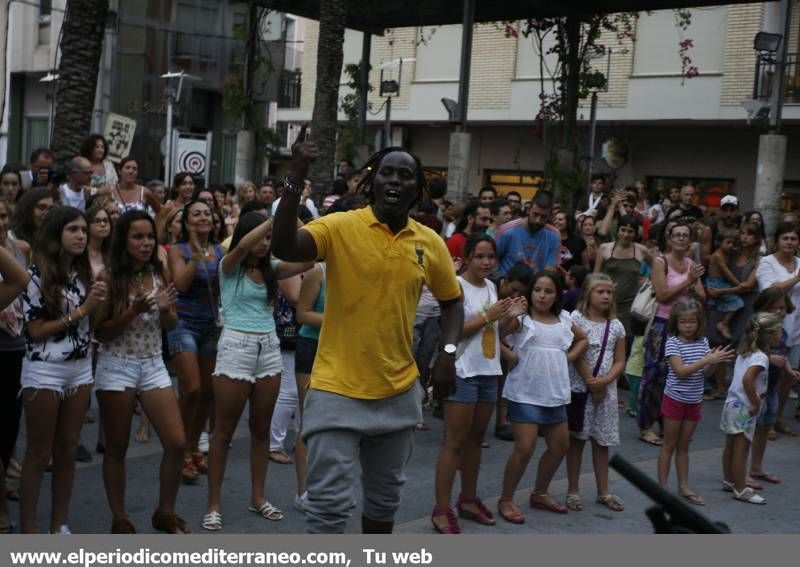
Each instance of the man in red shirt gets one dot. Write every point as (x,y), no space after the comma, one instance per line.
(476,218)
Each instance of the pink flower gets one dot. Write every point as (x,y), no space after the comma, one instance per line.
(692,72)
(686,44)
(511,31)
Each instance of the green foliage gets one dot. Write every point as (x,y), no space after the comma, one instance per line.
(349,138)
(238,102)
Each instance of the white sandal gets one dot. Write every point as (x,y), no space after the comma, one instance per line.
(267,511)
(748,495)
(212,521)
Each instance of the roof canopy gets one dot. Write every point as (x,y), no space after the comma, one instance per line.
(377,15)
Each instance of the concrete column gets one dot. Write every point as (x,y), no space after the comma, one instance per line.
(769,179)
(458,166)
(245,156)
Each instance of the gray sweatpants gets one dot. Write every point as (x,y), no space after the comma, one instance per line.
(340,431)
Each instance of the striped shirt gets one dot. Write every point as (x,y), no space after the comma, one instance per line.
(196,302)
(688,390)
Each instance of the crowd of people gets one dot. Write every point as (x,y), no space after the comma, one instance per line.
(184,303)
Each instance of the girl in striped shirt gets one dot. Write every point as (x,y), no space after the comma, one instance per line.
(690,359)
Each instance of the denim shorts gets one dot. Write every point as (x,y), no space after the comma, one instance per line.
(191,335)
(769,413)
(529,413)
(304,354)
(116,373)
(244,356)
(475,389)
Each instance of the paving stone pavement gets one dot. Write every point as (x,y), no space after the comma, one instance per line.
(89,512)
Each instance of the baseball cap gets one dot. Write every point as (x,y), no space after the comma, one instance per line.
(729,200)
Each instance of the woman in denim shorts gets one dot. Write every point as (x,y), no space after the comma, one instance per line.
(57,370)
(193,264)
(129,364)
(468,411)
(249,363)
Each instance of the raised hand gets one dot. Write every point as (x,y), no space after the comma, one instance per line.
(303,153)
(165,298)
(141,303)
(499,310)
(720,354)
(97,295)
(696,272)
(518,306)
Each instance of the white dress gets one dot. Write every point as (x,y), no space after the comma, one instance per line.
(542,376)
(600,422)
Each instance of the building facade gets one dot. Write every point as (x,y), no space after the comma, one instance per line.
(671,129)
(144,40)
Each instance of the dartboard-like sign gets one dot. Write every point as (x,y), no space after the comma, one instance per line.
(193,162)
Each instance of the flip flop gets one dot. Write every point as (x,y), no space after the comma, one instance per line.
(574,503)
(782,428)
(514,517)
(554,506)
(767,477)
(754,484)
(694,498)
(267,511)
(651,439)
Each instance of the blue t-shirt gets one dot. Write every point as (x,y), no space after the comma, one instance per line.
(537,250)
(688,390)
(245,305)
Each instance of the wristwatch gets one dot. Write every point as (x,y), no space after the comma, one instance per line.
(291,187)
(449,349)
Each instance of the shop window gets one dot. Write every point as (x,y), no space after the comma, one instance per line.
(526,183)
(790,198)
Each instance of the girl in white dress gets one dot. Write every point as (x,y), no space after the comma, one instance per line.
(593,412)
(537,391)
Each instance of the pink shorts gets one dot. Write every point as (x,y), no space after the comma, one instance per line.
(680,411)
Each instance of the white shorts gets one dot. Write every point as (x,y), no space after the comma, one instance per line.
(244,356)
(64,377)
(117,373)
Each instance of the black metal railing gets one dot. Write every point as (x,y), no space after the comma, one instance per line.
(766,78)
(290,88)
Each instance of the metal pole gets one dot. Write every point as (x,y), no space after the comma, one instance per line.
(366,48)
(466,59)
(168,165)
(782,58)
(387,126)
(592,132)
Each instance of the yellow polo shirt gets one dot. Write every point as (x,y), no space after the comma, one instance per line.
(373,283)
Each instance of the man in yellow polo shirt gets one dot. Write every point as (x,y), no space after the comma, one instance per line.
(365,398)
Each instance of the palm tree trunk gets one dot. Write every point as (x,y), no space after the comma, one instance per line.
(326,99)
(81,48)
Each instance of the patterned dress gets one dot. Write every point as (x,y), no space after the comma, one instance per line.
(601,421)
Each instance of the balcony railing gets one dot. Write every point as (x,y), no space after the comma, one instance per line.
(766,79)
(289,94)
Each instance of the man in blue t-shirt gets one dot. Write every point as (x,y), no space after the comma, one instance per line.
(533,243)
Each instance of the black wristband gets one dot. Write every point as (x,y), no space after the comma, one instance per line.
(291,187)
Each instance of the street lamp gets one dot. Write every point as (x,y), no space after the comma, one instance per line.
(52,77)
(173,96)
(598,84)
(390,88)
